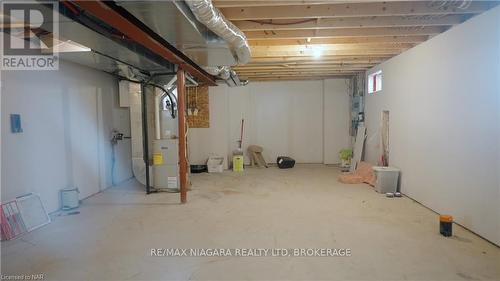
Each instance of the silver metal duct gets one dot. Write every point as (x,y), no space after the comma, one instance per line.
(211,17)
(223,72)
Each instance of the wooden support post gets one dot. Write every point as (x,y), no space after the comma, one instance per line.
(181,105)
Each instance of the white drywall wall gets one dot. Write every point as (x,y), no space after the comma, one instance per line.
(498,120)
(336,121)
(205,141)
(288,119)
(284,117)
(443,101)
(67,116)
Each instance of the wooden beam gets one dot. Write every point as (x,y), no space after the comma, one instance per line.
(333,47)
(181,112)
(313,76)
(296,71)
(260,3)
(266,3)
(341,40)
(302,66)
(353,10)
(295,78)
(344,32)
(308,64)
(302,72)
(351,22)
(311,53)
(325,73)
(323,59)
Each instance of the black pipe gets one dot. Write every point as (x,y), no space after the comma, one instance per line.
(172,102)
(145,138)
(173,99)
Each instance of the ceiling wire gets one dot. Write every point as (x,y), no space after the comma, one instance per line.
(270,22)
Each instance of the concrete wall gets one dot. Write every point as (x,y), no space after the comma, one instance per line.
(285,118)
(67,117)
(444,122)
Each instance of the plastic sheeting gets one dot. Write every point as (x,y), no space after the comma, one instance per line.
(363,174)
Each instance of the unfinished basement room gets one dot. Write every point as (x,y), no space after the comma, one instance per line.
(250,140)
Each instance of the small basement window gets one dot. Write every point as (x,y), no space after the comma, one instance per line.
(375,82)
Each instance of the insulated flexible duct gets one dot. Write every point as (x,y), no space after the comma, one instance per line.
(211,17)
(223,72)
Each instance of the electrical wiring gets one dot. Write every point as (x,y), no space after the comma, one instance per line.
(281,23)
(173,101)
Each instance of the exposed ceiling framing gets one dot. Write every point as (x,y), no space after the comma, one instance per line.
(112,16)
(315,39)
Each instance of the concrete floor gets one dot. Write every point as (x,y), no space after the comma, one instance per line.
(304,207)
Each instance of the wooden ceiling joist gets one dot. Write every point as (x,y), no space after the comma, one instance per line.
(351,22)
(317,39)
(341,40)
(344,32)
(402,8)
(307,64)
(333,47)
(255,3)
(303,66)
(370,52)
(252,77)
(303,71)
(297,78)
(323,59)
(265,3)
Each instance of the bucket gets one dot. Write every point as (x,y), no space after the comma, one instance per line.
(69,198)
(238,163)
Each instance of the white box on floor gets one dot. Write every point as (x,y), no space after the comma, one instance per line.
(215,164)
(387,179)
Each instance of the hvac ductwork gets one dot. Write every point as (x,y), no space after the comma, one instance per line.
(211,17)
(223,72)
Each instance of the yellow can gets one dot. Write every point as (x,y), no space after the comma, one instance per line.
(238,163)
